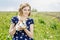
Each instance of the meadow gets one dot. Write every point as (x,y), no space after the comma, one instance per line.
(46,25)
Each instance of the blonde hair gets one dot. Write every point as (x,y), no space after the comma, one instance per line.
(23,6)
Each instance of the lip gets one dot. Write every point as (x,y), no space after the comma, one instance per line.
(26,15)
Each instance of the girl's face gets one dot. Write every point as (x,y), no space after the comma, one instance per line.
(26,10)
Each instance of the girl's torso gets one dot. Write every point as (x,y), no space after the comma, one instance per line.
(21,35)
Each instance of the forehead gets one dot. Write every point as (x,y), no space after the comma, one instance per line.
(27,7)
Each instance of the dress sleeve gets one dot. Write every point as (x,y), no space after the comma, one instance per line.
(32,21)
(13,20)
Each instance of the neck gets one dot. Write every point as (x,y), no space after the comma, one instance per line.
(23,18)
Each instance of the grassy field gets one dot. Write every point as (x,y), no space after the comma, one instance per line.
(46,25)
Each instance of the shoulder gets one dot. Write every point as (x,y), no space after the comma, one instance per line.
(31,20)
(14,19)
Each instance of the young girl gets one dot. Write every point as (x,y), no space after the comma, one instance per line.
(21,27)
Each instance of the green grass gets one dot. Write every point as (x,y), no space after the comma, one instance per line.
(45,27)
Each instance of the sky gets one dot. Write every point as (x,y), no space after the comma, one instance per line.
(40,5)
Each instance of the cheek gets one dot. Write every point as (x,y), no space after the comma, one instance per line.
(24,11)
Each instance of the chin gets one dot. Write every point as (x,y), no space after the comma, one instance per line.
(26,15)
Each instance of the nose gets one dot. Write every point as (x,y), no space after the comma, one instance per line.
(27,11)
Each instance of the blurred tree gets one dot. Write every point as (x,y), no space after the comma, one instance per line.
(34,10)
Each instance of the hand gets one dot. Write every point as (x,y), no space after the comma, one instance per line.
(23,27)
(18,28)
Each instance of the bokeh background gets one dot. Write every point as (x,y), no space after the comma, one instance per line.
(46,15)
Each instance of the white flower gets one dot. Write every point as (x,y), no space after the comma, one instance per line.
(28,22)
(25,35)
(21,24)
(15,21)
(21,37)
(16,36)
(25,39)
(22,33)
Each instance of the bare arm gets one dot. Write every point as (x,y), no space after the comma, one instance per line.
(12,29)
(29,33)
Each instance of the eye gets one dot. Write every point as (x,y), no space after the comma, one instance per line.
(28,9)
(25,10)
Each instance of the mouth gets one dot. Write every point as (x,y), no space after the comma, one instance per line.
(26,15)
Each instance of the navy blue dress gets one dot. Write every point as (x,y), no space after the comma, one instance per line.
(21,35)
